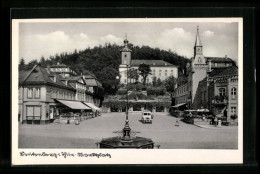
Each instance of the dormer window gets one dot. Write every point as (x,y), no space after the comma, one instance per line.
(65,82)
(53,78)
(153,63)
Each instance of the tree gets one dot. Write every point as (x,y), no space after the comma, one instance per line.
(107,77)
(145,70)
(133,74)
(31,64)
(22,64)
(169,84)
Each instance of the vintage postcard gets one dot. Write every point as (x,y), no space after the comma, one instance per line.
(127,91)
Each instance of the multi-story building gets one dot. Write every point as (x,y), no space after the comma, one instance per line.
(44,94)
(197,70)
(159,68)
(95,87)
(62,69)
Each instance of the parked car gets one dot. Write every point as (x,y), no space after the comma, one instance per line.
(147,117)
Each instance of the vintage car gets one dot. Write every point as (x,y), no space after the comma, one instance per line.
(147,117)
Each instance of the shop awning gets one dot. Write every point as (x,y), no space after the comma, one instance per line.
(178,105)
(93,107)
(74,104)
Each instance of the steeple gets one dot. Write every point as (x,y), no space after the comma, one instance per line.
(126,53)
(198,42)
(198,45)
(125,41)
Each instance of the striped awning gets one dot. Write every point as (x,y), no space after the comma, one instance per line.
(93,107)
(74,104)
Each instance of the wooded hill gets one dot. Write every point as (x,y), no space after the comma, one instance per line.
(104,61)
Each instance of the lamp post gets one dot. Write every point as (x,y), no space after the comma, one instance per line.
(127,92)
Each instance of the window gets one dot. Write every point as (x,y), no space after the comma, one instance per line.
(216,64)
(199,60)
(30,93)
(222,92)
(233,110)
(233,93)
(53,78)
(37,92)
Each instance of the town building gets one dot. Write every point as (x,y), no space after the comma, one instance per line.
(62,69)
(159,68)
(44,94)
(203,82)
(95,87)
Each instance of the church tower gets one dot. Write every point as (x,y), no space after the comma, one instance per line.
(125,53)
(197,70)
(198,53)
(125,60)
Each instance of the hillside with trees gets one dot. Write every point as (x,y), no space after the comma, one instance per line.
(104,61)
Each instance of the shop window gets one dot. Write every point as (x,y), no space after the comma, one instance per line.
(233,92)
(30,93)
(37,92)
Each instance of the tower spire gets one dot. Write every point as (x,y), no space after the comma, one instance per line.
(125,41)
(198,42)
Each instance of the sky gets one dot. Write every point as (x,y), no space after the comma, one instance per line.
(48,38)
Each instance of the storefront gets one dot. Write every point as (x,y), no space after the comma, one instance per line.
(73,110)
(96,110)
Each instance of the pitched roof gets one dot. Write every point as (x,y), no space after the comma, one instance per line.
(231,70)
(152,63)
(219,59)
(197,41)
(91,82)
(39,75)
(216,71)
(22,75)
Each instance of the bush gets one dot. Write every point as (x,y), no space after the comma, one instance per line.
(121,92)
(155,91)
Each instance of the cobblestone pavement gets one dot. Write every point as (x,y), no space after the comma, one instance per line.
(162,131)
